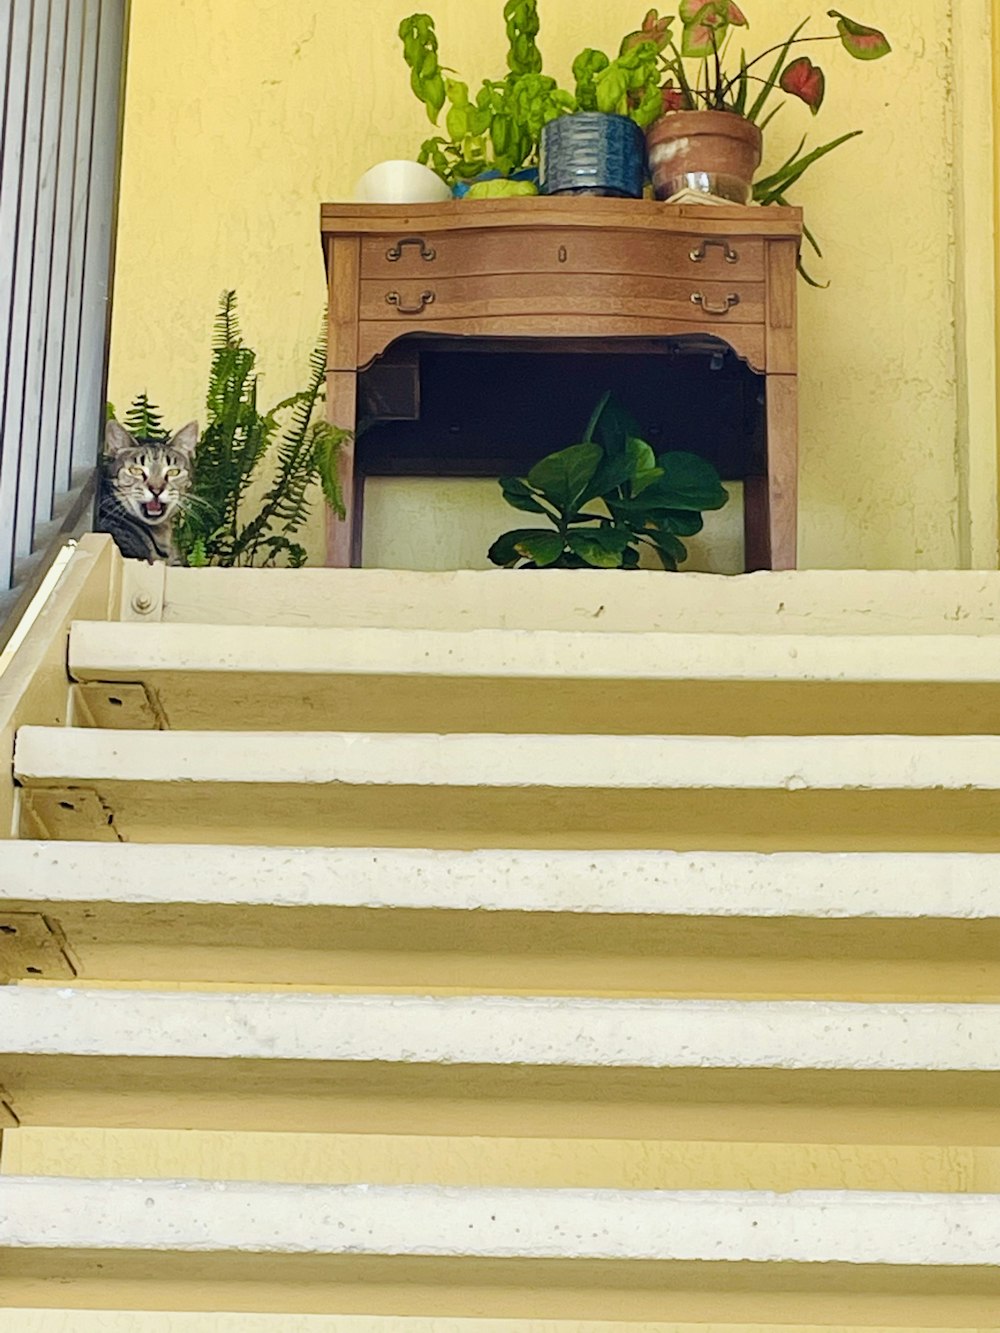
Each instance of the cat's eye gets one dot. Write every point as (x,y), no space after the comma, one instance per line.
(173,472)
(137,472)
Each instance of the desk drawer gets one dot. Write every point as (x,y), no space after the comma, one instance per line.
(431,298)
(561,250)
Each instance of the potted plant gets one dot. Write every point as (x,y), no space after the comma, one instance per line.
(590,142)
(600,147)
(709,138)
(492,139)
(606,499)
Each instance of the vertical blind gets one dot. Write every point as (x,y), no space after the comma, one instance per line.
(60,135)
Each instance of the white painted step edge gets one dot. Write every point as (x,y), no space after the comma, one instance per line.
(500,1030)
(711,884)
(925,1230)
(680,763)
(100,650)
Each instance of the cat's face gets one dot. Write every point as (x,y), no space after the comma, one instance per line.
(149,479)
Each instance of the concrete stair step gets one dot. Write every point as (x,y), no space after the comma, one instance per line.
(385,1249)
(365,1063)
(758,793)
(949,602)
(887,926)
(236,677)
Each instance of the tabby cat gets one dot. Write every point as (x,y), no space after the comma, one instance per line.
(143,483)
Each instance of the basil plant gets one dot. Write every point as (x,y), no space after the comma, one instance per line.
(606,498)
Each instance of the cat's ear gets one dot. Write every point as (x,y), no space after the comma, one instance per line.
(186,439)
(116,438)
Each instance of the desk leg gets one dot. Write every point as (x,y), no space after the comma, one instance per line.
(770,504)
(343,543)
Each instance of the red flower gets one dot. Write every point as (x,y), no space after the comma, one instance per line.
(804,79)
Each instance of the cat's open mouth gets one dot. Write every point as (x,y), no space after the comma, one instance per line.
(153,509)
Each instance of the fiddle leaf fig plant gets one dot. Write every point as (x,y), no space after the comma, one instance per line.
(607,498)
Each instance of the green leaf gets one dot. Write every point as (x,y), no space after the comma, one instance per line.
(860,42)
(544,548)
(672,551)
(689,482)
(680,522)
(615,470)
(772,78)
(591,546)
(643,480)
(538,544)
(742,86)
(766,191)
(563,477)
(518,495)
(640,455)
(611,426)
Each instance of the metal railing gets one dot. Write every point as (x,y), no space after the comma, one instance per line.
(60,139)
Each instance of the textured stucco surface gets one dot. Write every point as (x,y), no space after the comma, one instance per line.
(243,114)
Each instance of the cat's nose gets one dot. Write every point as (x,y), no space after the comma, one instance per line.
(157,490)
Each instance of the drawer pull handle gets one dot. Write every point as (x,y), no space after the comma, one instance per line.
(698,298)
(424,299)
(699,255)
(395,252)
(563,254)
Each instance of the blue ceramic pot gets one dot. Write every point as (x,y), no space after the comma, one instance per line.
(593,153)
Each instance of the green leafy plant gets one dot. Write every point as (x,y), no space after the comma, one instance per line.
(498,129)
(607,498)
(629,85)
(219,524)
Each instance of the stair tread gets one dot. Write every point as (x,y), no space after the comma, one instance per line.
(507,1030)
(38,875)
(844,1227)
(465,791)
(126,651)
(782,763)
(238,677)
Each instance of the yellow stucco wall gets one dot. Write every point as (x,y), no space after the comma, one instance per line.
(243,114)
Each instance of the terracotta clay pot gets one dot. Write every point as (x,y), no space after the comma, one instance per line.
(713,152)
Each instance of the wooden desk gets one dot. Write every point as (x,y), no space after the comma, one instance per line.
(570,271)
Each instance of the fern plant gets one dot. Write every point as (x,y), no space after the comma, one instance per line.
(144,421)
(239,441)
